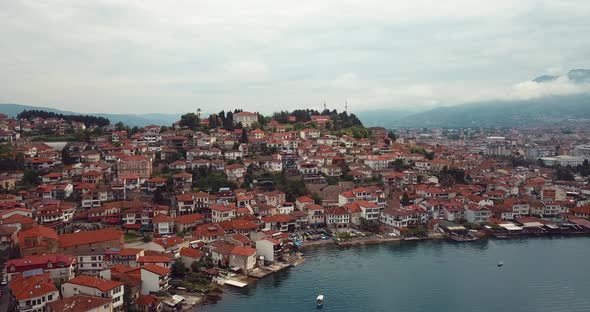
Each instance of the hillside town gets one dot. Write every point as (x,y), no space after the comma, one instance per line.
(101,217)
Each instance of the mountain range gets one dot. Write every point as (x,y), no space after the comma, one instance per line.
(494,113)
(131,120)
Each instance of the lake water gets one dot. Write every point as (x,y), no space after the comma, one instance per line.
(538,275)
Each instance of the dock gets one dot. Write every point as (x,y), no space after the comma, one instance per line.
(266,270)
(227,281)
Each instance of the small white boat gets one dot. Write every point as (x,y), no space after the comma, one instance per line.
(501,263)
(320,301)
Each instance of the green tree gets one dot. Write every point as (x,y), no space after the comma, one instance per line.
(244,136)
(190,120)
(391,135)
(178,270)
(405,199)
(31,177)
(127,297)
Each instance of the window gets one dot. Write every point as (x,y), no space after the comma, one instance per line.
(50,298)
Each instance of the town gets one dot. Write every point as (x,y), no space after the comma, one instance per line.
(101,217)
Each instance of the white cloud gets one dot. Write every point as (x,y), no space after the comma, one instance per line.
(127,56)
(559,86)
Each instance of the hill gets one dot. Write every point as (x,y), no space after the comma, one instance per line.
(541,111)
(128,119)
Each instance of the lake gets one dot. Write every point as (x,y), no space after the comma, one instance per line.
(540,274)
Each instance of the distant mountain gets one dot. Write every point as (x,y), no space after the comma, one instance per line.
(384,117)
(574,75)
(541,111)
(139,120)
(545,78)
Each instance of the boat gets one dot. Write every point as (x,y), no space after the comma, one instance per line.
(320,301)
(501,263)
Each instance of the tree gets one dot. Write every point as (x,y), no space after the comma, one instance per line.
(399,165)
(391,135)
(244,136)
(405,199)
(31,177)
(190,120)
(127,297)
(147,238)
(368,225)
(316,198)
(178,270)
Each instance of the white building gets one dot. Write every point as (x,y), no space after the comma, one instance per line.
(95,286)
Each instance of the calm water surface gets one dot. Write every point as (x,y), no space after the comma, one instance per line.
(538,275)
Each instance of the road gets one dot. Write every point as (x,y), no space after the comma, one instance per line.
(5,299)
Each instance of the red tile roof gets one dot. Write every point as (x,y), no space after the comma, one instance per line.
(162,218)
(156,269)
(29,261)
(37,231)
(191,252)
(30,287)
(79,303)
(94,282)
(90,237)
(189,218)
(153,259)
(243,251)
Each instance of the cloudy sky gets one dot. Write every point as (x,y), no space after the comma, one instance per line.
(174,56)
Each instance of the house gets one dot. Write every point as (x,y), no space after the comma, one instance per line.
(370,194)
(369,210)
(182,182)
(81,303)
(32,293)
(235,172)
(95,286)
(148,303)
(477,213)
(398,218)
(38,240)
(274,198)
(245,118)
(453,211)
(581,212)
(163,225)
(268,248)
(315,215)
(170,244)
(91,260)
(154,278)
(156,183)
(190,255)
(243,258)
(164,261)
(337,217)
(126,256)
(187,223)
(135,165)
(280,222)
(59,267)
(55,214)
(302,201)
(8,235)
(104,238)
(208,232)
(223,212)
(309,134)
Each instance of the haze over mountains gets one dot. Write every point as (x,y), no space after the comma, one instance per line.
(549,109)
